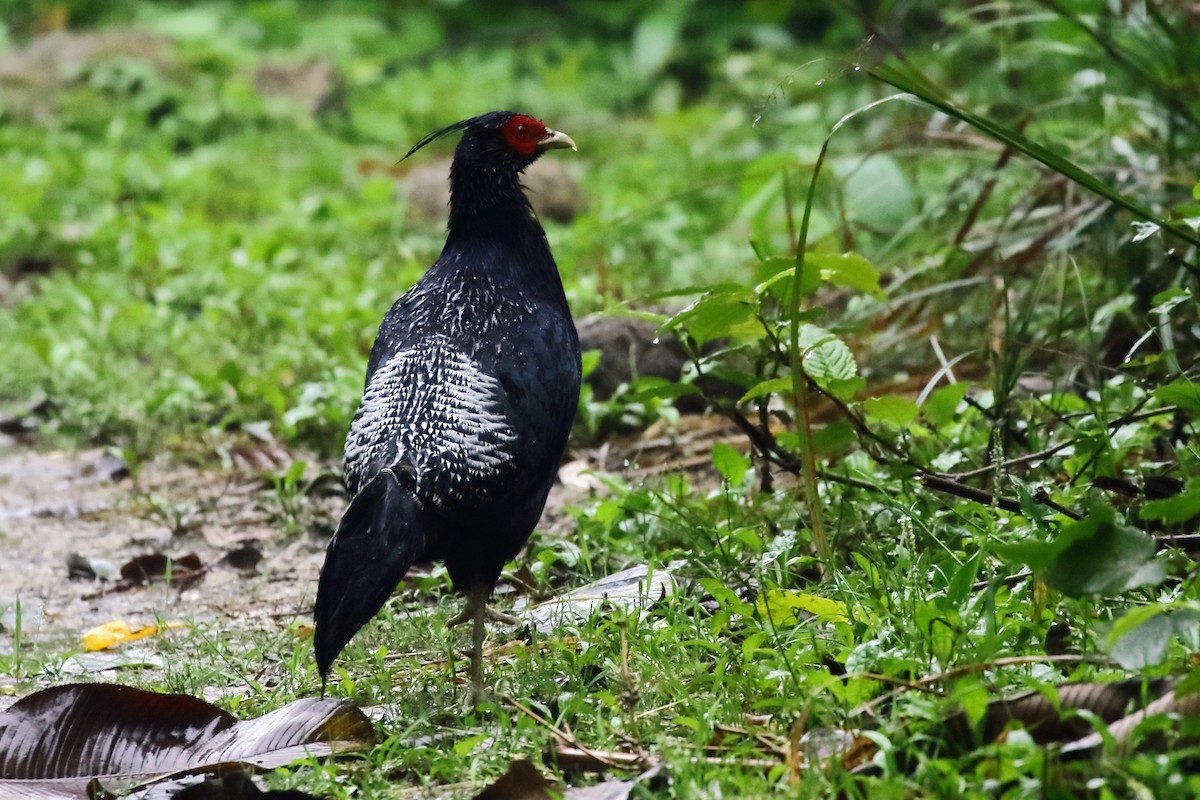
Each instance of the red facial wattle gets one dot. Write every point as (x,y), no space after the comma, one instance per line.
(523,133)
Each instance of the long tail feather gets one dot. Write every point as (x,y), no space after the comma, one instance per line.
(380,536)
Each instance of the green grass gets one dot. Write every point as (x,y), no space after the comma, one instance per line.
(217,260)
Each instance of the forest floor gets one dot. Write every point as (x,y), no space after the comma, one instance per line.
(82,540)
(76,528)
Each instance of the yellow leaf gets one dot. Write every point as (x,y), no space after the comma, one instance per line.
(783,607)
(117,632)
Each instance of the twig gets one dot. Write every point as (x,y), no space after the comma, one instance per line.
(581,758)
(571,747)
(1042,497)
(957,489)
(923,684)
(1008,580)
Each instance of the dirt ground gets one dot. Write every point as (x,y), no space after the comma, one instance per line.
(70,523)
(83,510)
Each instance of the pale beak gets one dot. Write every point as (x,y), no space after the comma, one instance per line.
(556,139)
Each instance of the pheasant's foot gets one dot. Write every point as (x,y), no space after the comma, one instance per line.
(500,616)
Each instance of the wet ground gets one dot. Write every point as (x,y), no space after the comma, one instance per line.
(78,531)
(70,522)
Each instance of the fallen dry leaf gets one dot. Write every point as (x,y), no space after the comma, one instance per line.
(55,742)
(119,631)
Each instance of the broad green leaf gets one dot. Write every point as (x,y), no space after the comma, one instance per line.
(1189,684)
(656,35)
(896,412)
(730,463)
(963,579)
(783,607)
(941,406)
(770,386)
(846,269)
(877,192)
(1140,638)
(1164,302)
(1184,394)
(845,389)
(726,597)
(834,437)
(662,389)
(591,360)
(780,283)
(464,746)
(714,316)
(1179,508)
(1095,555)
(972,696)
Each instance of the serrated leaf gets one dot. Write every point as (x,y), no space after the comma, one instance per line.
(893,411)
(826,357)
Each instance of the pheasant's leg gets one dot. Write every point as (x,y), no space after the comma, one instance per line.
(500,616)
(474,598)
(469,611)
(477,693)
(475,610)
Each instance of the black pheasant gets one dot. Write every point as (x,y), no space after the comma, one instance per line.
(470,393)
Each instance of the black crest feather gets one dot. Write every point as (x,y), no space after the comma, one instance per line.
(433,137)
(493,117)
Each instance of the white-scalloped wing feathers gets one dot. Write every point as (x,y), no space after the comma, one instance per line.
(431,411)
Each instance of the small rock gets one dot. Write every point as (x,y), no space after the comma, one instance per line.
(551,189)
(82,568)
(629,348)
(316,84)
(110,467)
(245,558)
(633,348)
(79,568)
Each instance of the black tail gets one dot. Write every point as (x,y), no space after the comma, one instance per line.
(380,536)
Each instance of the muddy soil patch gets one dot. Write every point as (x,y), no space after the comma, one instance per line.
(61,508)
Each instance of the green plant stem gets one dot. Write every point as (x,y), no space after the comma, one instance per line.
(808,478)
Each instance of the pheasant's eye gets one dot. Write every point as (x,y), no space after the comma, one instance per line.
(522,133)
